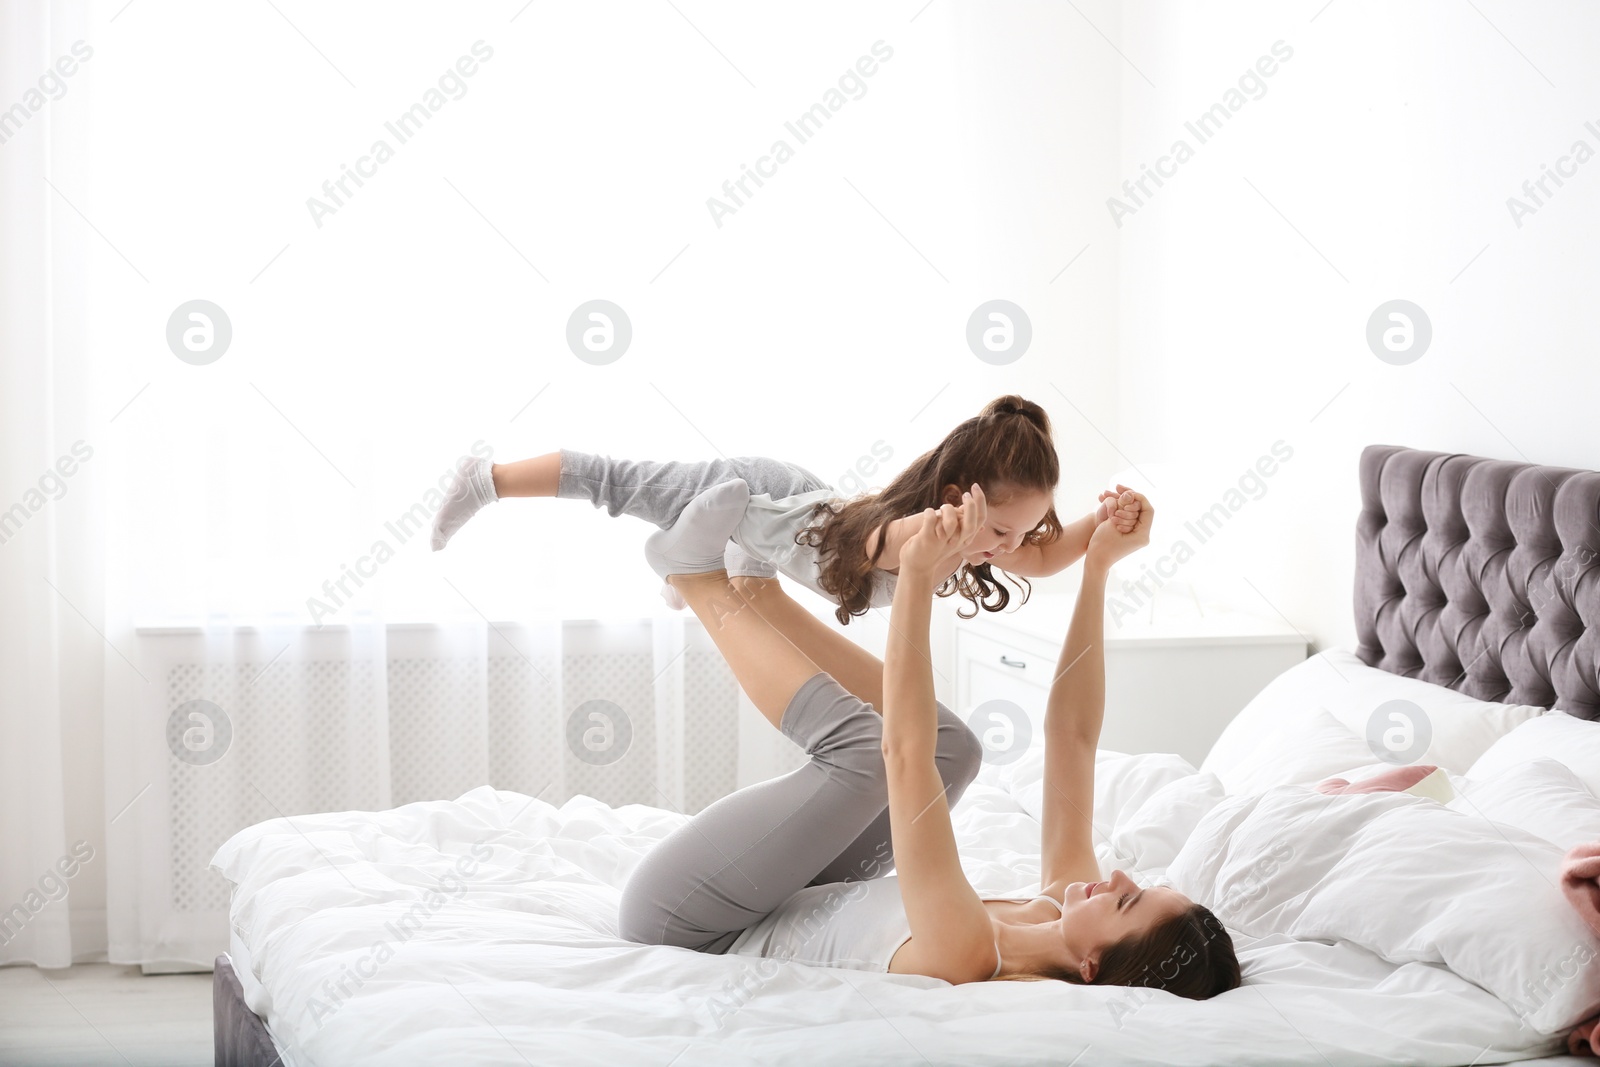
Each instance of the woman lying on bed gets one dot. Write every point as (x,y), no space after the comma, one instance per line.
(787,868)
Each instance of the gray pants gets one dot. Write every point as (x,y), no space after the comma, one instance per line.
(657,492)
(844,731)
(739,858)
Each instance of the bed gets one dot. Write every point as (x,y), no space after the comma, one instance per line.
(483,929)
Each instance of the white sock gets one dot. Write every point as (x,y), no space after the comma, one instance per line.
(470,490)
(695,543)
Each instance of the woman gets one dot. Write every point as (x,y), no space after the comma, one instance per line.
(741,875)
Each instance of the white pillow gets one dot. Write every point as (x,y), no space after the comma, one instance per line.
(1294,752)
(1336,681)
(1122,783)
(1567,739)
(1407,878)
(1541,796)
(1289,699)
(1150,837)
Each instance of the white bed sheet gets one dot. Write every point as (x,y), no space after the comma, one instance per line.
(520,963)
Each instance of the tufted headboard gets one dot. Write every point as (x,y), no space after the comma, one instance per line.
(1481,575)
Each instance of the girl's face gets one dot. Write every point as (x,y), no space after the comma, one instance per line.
(1012,514)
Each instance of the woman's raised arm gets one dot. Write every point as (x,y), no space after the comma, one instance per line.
(951,935)
(1075,711)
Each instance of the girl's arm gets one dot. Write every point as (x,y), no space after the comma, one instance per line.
(1074,713)
(896,532)
(1028,561)
(952,937)
(1040,561)
(900,531)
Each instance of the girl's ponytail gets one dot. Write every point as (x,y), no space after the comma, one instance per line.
(1002,406)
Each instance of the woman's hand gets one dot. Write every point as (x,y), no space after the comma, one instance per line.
(951,931)
(1121,505)
(1110,542)
(940,534)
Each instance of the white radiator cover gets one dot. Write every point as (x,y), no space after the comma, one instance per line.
(330,721)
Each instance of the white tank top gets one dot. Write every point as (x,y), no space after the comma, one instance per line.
(860,925)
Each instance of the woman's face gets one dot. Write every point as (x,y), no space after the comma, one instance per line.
(1097,915)
(1017,512)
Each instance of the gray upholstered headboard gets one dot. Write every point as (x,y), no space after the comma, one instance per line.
(1481,575)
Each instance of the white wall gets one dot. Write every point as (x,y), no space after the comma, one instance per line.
(1391,141)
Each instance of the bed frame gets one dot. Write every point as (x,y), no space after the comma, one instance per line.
(239,1035)
(1476,574)
(1481,575)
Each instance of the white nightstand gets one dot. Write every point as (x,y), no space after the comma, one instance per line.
(1174,677)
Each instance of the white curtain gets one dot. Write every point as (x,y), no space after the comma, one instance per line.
(50,592)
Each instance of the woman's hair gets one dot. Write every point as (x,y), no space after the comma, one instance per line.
(1189,954)
(1005,448)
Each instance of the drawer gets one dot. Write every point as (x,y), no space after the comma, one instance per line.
(1022,662)
(1018,673)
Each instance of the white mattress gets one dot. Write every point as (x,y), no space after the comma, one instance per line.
(520,962)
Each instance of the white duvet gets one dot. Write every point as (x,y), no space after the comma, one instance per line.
(483,931)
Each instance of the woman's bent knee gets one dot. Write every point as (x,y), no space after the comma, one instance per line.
(645,919)
(959,749)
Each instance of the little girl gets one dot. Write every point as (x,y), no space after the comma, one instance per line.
(755,517)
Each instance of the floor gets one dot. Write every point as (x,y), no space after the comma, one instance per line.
(102,1013)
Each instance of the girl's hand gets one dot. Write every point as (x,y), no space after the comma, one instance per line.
(941,534)
(1121,506)
(1110,542)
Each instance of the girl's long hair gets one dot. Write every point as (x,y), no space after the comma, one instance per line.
(1005,448)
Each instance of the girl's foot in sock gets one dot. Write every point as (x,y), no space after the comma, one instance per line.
(696,542)
(470,490)
(737,562)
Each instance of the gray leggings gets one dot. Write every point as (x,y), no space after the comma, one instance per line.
(739,858)
(657,492)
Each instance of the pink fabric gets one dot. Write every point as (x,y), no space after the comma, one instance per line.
(1394,780)
(1579,876)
